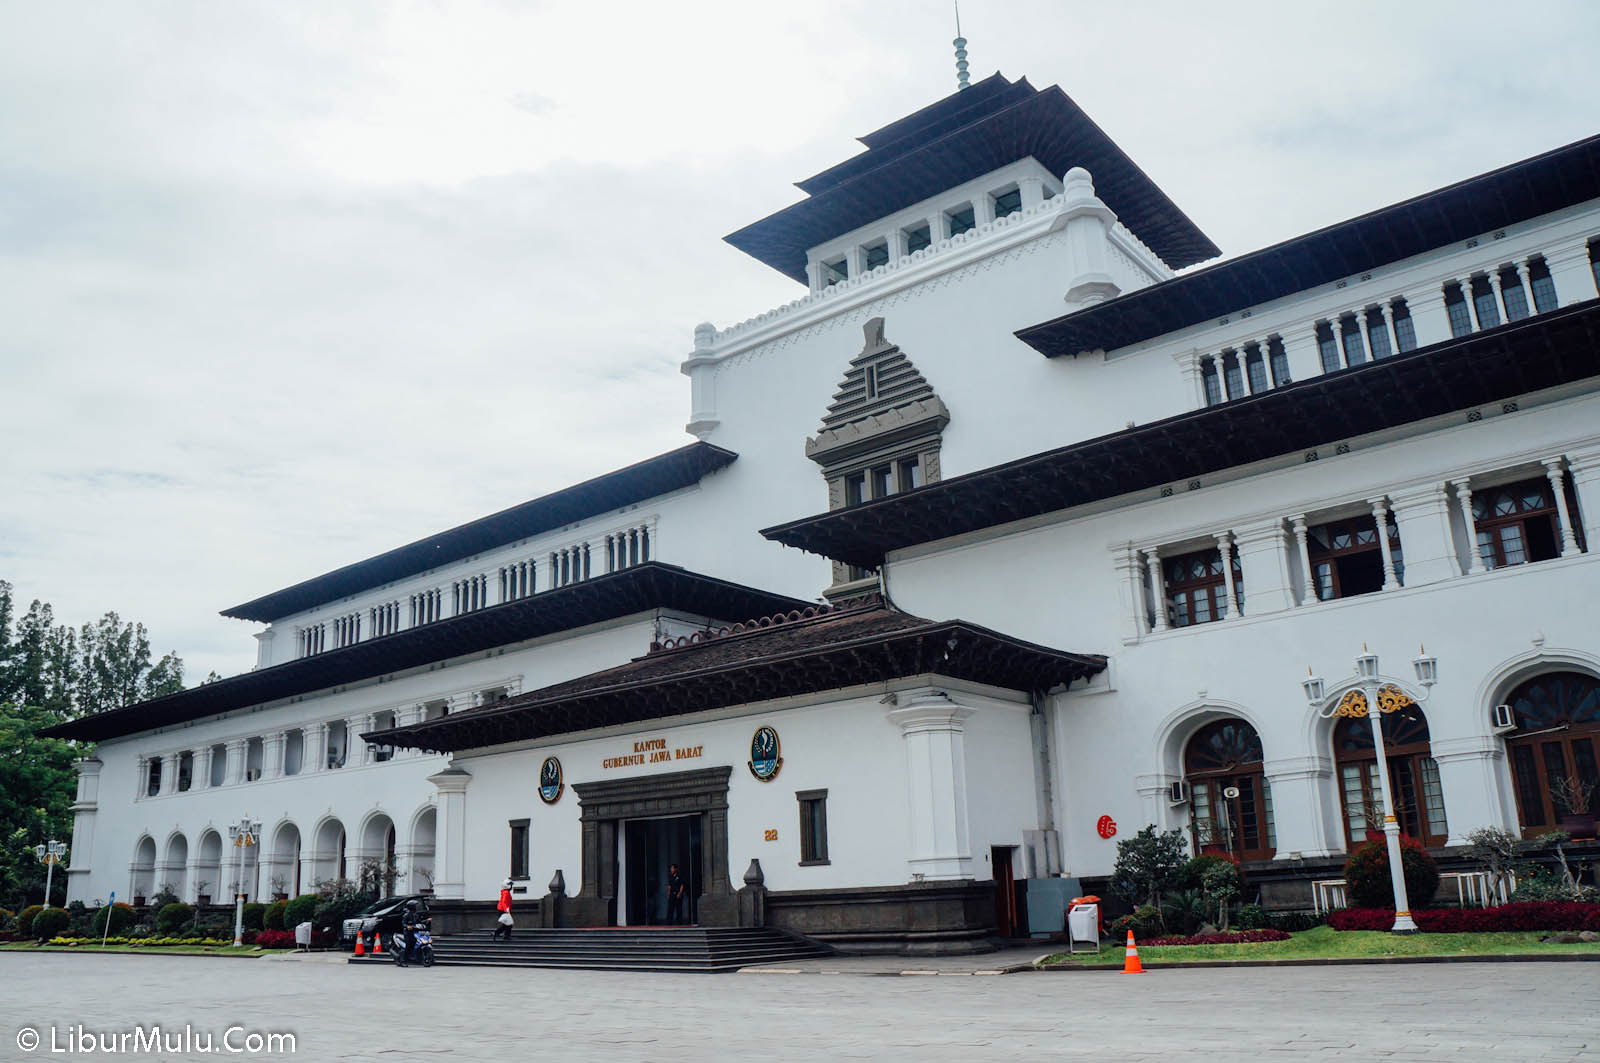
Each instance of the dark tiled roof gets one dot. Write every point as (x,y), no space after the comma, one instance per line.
(807,653)
(1546,351)
(1545,183)
(646,479)
(993,124)
(634,590)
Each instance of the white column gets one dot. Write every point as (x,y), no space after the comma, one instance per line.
(142,780)
(1158,589)
(204,762)
(1388,328)
(1584,465)
(1264,561)
(1569,541)
(1225,548)
(1380,515)
(169,773)
(1191,363)
(357,751)
(234,775)
(1429,319)
(936,229)
(1032,190)
(1131,574)
(1499,293)
(1473,324)
(982,209)
(1464,497)
(1526,280)
(897,244)
(1308,589)
(450,832)
(1470,770)
(1300,348)
(80,857)
(1336,329)
(933,727)
(1303,806)
(1423,516)
(857,261)
(1571,273)
(314,753)
(272,754)
(814,275)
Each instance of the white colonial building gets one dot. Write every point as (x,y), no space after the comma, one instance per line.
(1085,516)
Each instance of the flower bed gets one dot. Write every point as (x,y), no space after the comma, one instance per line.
(1525,915)
(140,943)
(1235,937)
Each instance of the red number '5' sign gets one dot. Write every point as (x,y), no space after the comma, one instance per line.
(1107,827)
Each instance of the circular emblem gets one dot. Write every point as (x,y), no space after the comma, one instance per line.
(1107,827)
(550,781)
(765,759)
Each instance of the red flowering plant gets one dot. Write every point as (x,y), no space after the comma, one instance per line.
(1236,937)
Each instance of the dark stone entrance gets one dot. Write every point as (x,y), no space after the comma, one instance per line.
(605,805)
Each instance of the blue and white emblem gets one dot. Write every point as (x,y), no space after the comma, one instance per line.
(550,781)
(765,759)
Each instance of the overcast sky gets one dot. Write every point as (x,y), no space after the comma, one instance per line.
(284,285)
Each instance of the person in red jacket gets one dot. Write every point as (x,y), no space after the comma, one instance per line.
(504,924)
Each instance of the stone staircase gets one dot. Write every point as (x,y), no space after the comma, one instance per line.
(700,949)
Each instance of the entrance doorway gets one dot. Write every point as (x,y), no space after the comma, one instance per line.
(651,846)
(1005,892)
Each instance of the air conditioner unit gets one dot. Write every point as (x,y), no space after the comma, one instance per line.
(1178,792)
(1504,719)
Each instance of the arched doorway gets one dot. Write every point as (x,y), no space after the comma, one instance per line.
(1554,745)
(208,883)
(285,877)
(1230,803)
(379,866)
(328,856)
(143,872)
(420,853)
(1413,778)
(175,866)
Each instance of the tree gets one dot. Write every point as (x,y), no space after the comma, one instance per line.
(37,787)
(1148,864)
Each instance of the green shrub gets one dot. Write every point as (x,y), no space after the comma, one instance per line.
(8,919)
(335,910)
(1250,917)
(25,919)
(174,917)
(1367,880)
(162,897)
(50,922)
(122,918)
(273,920)
(1148,865)
(254,913)
(299,910)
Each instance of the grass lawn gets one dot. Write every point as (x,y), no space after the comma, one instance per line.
(1326,943)
(244,951)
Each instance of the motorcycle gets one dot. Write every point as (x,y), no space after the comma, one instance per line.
(422,950)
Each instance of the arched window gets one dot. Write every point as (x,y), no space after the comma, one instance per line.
(1558,729)
(1413,778)
(1230,801)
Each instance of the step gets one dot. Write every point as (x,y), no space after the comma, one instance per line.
(704,949)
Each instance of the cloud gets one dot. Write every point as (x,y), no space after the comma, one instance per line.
(285,286)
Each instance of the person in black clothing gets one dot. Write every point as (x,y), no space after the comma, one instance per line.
(676,892)
(409,916)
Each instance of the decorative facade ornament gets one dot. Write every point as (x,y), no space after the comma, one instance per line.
(1390,699)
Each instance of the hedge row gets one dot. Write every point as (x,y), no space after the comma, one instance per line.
(1235,937)
(1525,915)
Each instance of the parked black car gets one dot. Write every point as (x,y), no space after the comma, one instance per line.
(381,917)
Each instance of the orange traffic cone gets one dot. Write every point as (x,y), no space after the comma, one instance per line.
(360,949)
(1131,964)
(377,943)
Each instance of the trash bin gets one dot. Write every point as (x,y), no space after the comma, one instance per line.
(1083,926)
(302,936)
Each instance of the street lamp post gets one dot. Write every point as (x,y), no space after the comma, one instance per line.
(1375,705)
(50,855)
(243,835)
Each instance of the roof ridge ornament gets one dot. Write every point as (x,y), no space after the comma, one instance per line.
(963,80)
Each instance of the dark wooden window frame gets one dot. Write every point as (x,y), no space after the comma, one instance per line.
(813,827)
(1249,814)
(1490,525)
(1321,554)
(1572,734)
(1406,747)
(521,849)
(1213,585)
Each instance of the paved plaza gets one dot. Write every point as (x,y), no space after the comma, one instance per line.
(1467,1011)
